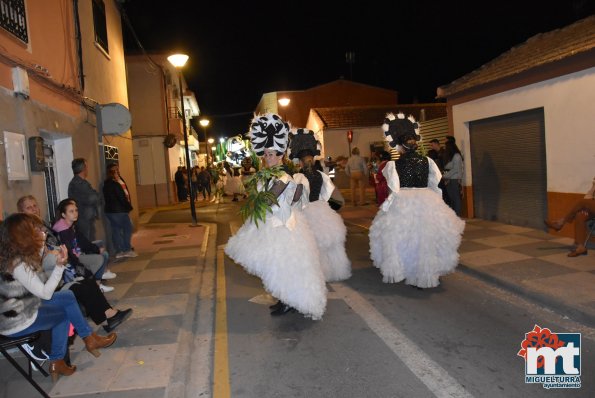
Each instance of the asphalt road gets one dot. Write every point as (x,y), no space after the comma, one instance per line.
(385,340)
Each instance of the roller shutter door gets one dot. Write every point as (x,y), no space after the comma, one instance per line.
(509,169)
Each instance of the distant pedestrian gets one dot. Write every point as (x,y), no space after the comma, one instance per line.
(87,198)
(181,185)
(204,182)
(357,171)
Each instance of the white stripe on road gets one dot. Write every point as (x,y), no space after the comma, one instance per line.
(435,377)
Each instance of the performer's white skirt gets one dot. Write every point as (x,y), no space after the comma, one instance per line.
(330,234)
(416,239)
(286,261)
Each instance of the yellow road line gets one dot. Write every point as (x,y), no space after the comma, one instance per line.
(221,388)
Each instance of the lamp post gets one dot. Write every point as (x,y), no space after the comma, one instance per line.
(178,61)
(204,123)
(284,102)
(211,141)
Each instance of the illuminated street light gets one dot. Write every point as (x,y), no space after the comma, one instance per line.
(204,123)
(284,102)
(178,61)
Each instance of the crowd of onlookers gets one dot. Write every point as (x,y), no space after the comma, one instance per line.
(53,275)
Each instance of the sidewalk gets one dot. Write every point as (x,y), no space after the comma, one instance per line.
(529,262)
(152,355)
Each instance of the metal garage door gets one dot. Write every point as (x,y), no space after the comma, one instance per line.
(509,171)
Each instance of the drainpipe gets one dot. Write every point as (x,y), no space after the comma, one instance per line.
(79,46)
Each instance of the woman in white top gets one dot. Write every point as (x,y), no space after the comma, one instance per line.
(35,303)
(453,175)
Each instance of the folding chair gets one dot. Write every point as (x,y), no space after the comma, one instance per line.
(7,343)
(590,230)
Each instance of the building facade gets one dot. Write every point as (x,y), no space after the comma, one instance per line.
(524,122)
(157,131)
(59,61)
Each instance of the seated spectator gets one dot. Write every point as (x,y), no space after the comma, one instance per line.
(34,305)
(582,211)
(85,290)
(80,250)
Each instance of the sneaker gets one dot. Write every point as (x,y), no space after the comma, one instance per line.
(131,253)
(30,350)
(121,255)
(105,288)
(108,275)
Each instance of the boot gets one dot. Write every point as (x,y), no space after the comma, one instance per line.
(284,309)
(94,341)
(59,367)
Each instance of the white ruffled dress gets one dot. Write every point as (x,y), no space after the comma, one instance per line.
(415,236)
(283,253)
(328,228)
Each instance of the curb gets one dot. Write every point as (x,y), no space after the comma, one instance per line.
(558,306)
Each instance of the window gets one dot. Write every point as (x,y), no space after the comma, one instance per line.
(13,18)
(99,22)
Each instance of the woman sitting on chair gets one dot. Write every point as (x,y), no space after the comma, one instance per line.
(581,212)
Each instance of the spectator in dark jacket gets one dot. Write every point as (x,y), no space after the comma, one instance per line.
(87,198)
(117,206)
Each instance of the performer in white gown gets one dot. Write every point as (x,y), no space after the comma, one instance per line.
(280,250)
(415,236)
(325,223)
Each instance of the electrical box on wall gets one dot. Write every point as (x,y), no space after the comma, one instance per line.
(20,82)
(16,156)
(36,158)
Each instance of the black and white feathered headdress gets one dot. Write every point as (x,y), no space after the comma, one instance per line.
(268,131)
(397,129)
(302,143)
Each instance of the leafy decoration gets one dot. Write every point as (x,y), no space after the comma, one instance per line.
(259,203)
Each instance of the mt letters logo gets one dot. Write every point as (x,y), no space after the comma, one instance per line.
(552,359)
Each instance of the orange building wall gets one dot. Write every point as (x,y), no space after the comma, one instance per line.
(51,47)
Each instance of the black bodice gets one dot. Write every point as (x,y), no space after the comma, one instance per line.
(413,170)
(315,179)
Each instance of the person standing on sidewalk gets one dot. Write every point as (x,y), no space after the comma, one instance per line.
(453,175)
(582,211)
(86,197)
(275,242)
(414,236)
(357,171)
(116,197)
(326,225)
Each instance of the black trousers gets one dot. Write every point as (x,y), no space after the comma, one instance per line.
(89,295)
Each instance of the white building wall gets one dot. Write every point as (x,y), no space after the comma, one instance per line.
(335,140)
(569,118)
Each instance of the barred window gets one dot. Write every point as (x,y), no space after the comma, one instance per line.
(99,22)
(13,18)
(111,153)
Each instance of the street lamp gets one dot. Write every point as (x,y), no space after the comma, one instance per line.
(178,61)
(210,141)
(204,123)
(284,102)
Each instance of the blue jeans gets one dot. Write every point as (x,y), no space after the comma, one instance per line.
(57,314)
(121,231)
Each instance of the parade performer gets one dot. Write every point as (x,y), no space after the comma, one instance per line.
(325,223)
(415,236)
(275,242)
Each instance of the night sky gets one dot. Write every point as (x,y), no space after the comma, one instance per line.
(240,51)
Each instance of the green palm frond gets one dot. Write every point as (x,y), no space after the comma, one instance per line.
(259,203)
